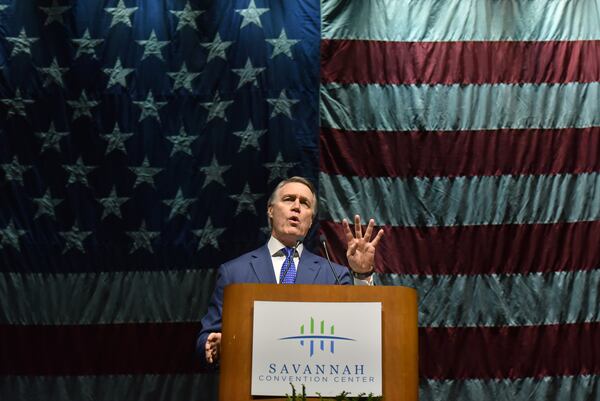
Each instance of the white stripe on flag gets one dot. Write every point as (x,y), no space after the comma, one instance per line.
(105,298)
(564,388)
(504,300)
(495,300)
(442,201)
(204,387)
(460,20)
(110,388)
(357,107)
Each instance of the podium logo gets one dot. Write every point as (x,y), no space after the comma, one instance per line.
(321,338)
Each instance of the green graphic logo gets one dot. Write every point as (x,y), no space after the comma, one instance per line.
(311,337)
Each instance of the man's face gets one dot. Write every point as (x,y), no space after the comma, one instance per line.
(291,212)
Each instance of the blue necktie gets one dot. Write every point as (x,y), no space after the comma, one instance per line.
(288,266)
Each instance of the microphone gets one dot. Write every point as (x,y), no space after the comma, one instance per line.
(298,242)
(324,243)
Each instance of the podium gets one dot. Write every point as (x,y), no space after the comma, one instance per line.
(399,333)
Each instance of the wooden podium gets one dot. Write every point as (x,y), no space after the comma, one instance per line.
(399,332)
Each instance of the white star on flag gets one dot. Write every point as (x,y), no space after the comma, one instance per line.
(208,235)
(282,105)
(246,200)
(10,235)
(216,48)
(248,73)
(153,46)
(86,45)
(217,108)
(149,107)
(187,17)
(117,75)
(22,43)
(16,106)
(74,238)
(214,172)
(249,137)
(251,15)
(121,14)
(282,45)
(82,106)
(54,13)
(51,138)
(54,74)
(142,239)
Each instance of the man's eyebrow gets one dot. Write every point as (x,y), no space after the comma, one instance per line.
(301,197)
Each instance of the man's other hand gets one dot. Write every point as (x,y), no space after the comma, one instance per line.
(212,349)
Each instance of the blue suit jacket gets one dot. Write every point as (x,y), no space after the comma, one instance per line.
(257,267)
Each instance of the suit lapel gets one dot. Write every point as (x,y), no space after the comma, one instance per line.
(261,263)
(308,268)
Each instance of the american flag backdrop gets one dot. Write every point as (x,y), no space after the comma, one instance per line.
(139,140)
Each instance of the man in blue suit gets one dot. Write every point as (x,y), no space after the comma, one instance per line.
(283,259)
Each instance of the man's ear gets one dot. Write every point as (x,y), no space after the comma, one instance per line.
(270,211)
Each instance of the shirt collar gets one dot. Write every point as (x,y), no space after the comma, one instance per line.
(275,246)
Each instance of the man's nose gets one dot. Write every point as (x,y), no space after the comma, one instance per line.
(296,204)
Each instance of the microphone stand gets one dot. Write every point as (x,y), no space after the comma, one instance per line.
(324,243)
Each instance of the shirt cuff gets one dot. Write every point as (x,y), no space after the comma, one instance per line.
(366,281)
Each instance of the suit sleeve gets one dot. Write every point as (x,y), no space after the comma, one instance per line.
(344,275)
(212,320)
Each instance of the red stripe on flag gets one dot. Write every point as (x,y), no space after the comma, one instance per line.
(460,62)
(509,352)
(445,353)
(459,153)
(149,348)
(481,249)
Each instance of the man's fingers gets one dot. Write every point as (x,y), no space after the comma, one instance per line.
(208,350)
(211,349)
(357,227)
(212,354)
(377,238)
(214,338)
(347,230)
(369,230)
